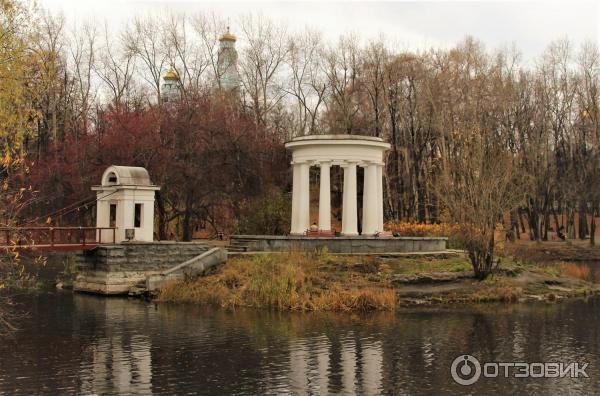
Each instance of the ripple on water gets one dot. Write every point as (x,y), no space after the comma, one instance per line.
(81,344)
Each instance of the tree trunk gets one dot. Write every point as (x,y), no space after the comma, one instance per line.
(582,222)
(482,258)
(514,224)
(546,225)
(387,197)
(434,215)
(421,210)
(571,223)
(521,222)
(534,226)
(162,217)
(557,224)
(187,229)
(593,228)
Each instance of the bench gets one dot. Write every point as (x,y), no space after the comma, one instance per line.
(319,233)
(384,234)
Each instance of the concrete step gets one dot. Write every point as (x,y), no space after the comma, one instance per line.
(192,267)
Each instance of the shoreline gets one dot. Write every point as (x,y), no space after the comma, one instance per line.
(328,282)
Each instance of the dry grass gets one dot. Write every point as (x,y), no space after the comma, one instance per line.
(422,230)
(498,293)
(577,271)
(295,281)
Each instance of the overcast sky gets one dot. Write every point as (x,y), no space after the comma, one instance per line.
(531,25)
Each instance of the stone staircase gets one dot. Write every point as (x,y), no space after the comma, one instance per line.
(193,267)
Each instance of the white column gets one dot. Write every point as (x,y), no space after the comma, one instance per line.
(370,223)
(295,196)
(102,220)
(325,197)
(300,198)
(380,197)
(349,214)
(304,198)
(124,215)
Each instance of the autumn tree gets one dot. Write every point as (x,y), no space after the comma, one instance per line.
(478,182)
(18,114)
(17,67)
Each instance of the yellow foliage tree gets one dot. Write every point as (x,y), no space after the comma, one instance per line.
(17,86)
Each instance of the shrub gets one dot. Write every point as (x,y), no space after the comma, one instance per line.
(422,230)
(268,215)
(451,231)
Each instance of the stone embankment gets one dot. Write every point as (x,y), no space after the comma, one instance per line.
(116,269)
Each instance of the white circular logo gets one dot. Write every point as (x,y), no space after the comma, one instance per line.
(465,370)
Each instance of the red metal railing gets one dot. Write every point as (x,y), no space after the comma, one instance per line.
(55,238)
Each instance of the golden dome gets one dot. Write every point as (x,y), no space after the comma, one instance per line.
(227,36)
(171,75)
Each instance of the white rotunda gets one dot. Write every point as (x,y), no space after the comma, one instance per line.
(348,152)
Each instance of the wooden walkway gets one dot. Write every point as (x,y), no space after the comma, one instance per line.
(55,238)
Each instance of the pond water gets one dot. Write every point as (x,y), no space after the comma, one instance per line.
(83,344)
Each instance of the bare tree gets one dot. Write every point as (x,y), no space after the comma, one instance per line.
(478,182)
(208,28)
(307,82)
(145,38)
(184,56)
(478,187)
(265,51)
(586,133)
(82,50)
(115,66)
(48,46)
(375,58)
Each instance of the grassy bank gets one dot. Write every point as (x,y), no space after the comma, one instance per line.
(286,282)
(324,282)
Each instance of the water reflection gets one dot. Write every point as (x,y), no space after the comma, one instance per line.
(81,344)
(348,366)
(128,365)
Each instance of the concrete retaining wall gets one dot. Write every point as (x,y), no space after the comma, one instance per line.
(114,269)
(193,267)
(268,243)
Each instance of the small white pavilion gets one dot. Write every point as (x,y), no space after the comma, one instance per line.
(349,152)
(125,201)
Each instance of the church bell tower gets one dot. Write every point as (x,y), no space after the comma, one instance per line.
(170,87)
(229,79)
